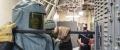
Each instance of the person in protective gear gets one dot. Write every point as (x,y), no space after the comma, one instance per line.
(50,25)
(6,37)
(29,15)
(61,37)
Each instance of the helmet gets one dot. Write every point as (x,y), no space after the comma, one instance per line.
(31,13)
(49,24)
(36,19)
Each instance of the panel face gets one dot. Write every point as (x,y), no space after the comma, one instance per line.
(107,12)
(117,23)
(102,15)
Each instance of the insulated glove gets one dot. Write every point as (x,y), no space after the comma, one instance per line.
(6,32)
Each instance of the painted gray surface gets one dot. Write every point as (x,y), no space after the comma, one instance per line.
(111,25)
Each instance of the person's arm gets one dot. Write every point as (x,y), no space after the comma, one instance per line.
(91,42)
(80,41)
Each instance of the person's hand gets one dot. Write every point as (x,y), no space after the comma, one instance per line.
(62,32)
(81,44)
(91,42)
(7,28)
(6,32)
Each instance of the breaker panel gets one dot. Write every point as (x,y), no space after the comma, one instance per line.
(107,14)
(102,11)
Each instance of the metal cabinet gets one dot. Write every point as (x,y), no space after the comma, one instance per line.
(104,16)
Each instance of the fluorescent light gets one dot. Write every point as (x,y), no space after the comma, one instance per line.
(81,13)
(76,16)
(26,0)
(69,16)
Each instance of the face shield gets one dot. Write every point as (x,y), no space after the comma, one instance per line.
(36,20)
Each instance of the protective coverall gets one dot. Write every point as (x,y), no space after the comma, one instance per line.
(6,37)
(26,41)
